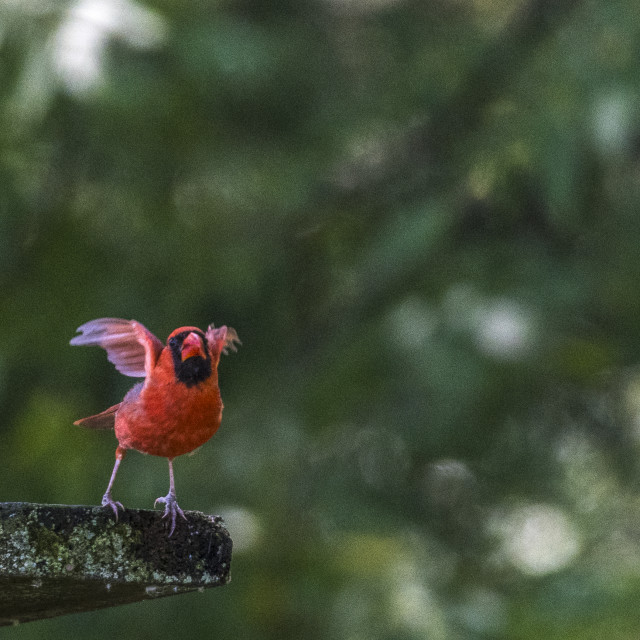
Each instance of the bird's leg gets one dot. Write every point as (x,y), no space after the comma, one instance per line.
(107,500)
(171,504)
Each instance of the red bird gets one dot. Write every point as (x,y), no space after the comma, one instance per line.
(176,409)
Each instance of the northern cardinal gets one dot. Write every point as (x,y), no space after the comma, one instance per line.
(176,409)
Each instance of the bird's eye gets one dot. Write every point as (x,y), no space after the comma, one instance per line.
(173,342)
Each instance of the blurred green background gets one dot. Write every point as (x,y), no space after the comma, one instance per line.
(422,219)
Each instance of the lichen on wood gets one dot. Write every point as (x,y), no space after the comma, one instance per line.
(57,559)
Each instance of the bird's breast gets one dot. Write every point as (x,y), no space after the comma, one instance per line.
(169,420)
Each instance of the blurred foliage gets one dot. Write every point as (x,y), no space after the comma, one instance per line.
(422,219)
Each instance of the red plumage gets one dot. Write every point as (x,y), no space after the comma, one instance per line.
(178,406)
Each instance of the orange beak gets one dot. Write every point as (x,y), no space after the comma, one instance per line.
(192,346)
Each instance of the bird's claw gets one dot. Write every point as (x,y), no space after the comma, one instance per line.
(170,508)
(108,501)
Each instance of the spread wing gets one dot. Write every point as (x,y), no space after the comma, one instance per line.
(222,339)
(131,347)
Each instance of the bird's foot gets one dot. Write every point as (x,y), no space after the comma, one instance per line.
(170,508)
(108,501)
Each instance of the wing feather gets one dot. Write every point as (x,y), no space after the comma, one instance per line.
(222,340)
(130,346)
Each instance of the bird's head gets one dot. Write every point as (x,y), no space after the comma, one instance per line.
(191,358)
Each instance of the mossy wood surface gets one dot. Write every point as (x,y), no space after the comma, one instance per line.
(57,559)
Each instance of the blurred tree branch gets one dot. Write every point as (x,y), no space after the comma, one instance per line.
(445,132)
(426,171)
